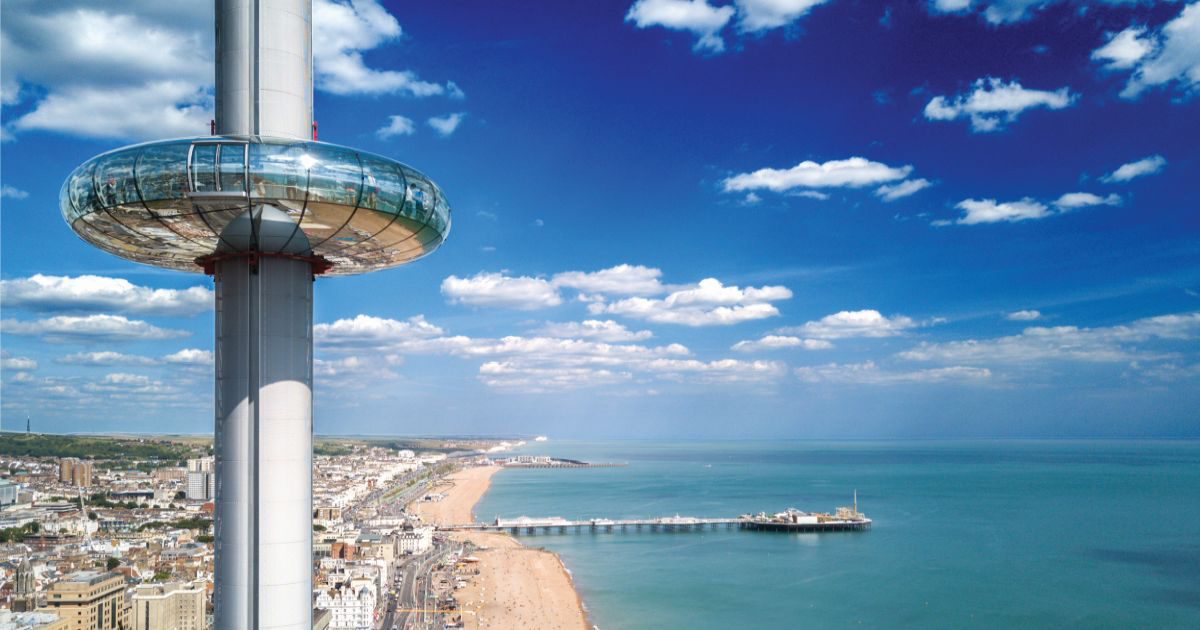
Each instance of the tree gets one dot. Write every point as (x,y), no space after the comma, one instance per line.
(111,563)
(180,495)
(92,516)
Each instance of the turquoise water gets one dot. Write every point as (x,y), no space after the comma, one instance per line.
(967,534)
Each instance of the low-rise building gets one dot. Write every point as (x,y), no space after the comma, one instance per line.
(171,606)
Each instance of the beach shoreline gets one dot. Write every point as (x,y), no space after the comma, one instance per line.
(517,587)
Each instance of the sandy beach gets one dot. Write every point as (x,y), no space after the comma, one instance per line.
(518,588)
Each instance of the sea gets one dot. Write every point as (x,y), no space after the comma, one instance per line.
(966,534)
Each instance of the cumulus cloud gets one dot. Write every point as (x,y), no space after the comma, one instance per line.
(1139,168)
(531,379)
(1168,56)
(976,211)
(12,192)
(759,15)
(370,331)
(342,31)
(104,358)
(100,82)
(622,279)
(993,103)
(696,16)
(852,172)
(709,303)
(397,126)
(1002,11)
(606,330)
(18,363)
(445,125)
(1109,344)
(1023,316)
(1124,49)
(90,293)
(868,373)
(849,324)
(63,328)
(892,192)
(190,356)
(775,342)
(499,290)
(1075,200)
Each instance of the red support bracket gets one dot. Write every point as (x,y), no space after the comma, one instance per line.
(319,264)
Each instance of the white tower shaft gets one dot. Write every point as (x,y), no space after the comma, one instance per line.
(264,444)
(264,68)
(263,433)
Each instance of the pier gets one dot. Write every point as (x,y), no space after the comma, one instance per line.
(533,526)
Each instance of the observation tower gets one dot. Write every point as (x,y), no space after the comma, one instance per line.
(263,208)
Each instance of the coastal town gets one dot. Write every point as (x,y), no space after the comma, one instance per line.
(120,536)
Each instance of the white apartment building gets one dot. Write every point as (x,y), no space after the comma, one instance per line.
(352,604)
(201,485)
(414,541)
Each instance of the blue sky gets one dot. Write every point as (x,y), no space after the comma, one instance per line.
(671,218)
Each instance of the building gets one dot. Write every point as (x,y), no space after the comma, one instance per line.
(90,600)
(75,471)
(170,606)
(201,464)
(24,596)
(8,492)
(34,620)
(414,540)
(352,604)
(201,486)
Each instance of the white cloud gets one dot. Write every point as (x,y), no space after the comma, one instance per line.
(100,81)
(892,192)
(718,371)
(606,330)
(142,69)
(1170,55)
(82,293)
(18,363)
(12,193)
(1068,343)
(1139,168)
(397,126)
(852,172)
(977,211)
(190,356)
(849,324)
(499,290)
(62,328)
(810,194)
(992,103)
(697,16)
(445,125)
(709,303)
(366,330)
(622,279)
(867,373)
(1124,49)
(1023,316)
(105,358)
(1005,11)
(153,110)
(341,32)
(125,386)
(774,342)
(758,15)
(529,379)
(1072,201)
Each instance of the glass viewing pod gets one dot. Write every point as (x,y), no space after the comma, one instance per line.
(166,203)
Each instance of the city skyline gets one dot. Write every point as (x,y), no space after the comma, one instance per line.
(721,222)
